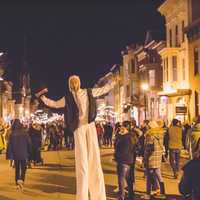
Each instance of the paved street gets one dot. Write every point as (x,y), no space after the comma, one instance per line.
(56,179)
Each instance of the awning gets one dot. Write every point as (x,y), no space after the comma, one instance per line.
(178,92)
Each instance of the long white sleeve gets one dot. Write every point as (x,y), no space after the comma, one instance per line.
(54,104)
(96,92)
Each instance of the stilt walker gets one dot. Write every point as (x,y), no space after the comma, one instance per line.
(80,113)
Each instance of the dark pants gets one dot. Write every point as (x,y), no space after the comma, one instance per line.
(125,177)
(99,139)
(69,142)
(174,160)
(20,170)
(36,154)
(166,151)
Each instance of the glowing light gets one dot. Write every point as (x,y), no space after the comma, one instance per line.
(145,86)
(40,117)
(20,109)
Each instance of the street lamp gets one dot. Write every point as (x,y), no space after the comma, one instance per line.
(145,88)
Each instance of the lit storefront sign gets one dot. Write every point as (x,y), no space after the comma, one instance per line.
(181,109)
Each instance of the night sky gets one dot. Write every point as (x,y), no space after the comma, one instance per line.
(73,38)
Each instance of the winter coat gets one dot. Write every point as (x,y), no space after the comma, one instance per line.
(189,185)
(192,138)
(125,149)
(153,148)
(175,137)
(19,145)
(36,137)
(99,130)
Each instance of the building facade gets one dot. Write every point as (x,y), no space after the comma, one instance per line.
(176,89)
(106,103)
(118,96)
(148,64)
(8,103)
(130,85)
(193,34)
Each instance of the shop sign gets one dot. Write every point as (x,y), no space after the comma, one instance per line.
(181,109)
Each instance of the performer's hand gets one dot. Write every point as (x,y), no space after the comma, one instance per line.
(41,92)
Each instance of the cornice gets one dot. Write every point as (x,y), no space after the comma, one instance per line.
(172,7)
(170,51)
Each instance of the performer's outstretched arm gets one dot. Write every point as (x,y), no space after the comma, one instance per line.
(53,104)
(96,92)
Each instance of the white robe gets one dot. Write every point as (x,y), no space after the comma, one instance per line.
(89,174)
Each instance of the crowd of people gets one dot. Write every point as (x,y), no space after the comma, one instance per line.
(154,142)
(24,142)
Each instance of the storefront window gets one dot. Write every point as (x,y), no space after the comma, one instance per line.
(181,109)
(163,107)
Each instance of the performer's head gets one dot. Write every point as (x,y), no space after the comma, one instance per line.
(74,83)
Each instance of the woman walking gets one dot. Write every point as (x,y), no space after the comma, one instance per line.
(20,146)
(152,159)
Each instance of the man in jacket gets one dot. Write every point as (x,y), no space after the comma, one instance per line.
(125,152)
(192,137)
(175,146)
(189,185)
(80,113)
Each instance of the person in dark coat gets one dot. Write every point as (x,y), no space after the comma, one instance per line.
(36,139)
(125,157)
(109,131)
(19,146)
(69,138)
(189,185)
